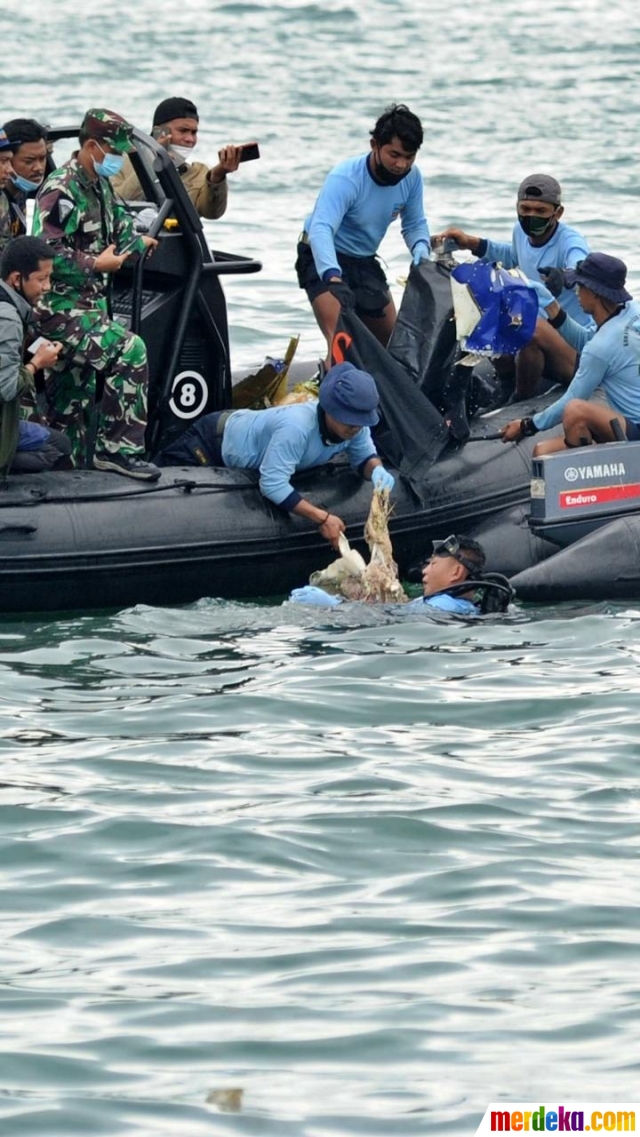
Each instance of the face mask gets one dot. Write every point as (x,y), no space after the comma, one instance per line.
(383,176)
(181,154)
(329,438)
(24,184)
(536,226)
(111,165)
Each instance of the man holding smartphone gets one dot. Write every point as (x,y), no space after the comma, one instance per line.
(175,126)
(25,276)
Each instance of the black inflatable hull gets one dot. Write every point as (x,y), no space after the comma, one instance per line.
(87,540)
(604,565)
(585,500)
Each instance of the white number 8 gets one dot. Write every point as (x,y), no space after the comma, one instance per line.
(189,394)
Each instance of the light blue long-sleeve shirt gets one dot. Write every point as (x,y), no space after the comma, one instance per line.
(577,335)
(353,212)
(611,357)
(565,248)
(446,603)
(281,440)
(441,600)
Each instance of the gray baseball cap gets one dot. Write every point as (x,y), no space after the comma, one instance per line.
(540,187)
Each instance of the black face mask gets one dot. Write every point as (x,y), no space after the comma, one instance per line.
(537,226)
(382,175)
(327,435)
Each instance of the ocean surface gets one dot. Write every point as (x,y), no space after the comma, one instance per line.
(266,871)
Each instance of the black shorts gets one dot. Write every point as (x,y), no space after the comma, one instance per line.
(632,430)
(199,445)
(364,276)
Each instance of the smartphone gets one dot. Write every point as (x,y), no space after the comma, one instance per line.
(36,344)
(249,152)
(160,132)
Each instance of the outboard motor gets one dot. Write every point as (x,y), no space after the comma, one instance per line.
(576,491)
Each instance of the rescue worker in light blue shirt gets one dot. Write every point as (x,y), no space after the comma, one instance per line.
(359,200)
(542,247)
(454,560)
(610,357)
(281,440)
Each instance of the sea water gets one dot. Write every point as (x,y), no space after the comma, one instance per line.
(267,870)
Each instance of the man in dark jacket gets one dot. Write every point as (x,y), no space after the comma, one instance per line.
(25,272)
(28,141)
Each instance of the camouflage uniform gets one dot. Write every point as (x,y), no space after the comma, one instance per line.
(5,220)
(6,215)
(80,217)
(17,202)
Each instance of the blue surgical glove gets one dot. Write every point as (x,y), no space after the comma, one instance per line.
(420,252)
(381,479)
(312,595)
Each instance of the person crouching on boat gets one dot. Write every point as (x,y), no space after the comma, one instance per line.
(609,356)
(454,561)
(281,440)
(25,275)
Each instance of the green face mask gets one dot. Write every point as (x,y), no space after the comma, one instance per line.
(536,226)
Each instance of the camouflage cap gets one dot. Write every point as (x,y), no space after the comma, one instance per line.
(5,143)
(107,126)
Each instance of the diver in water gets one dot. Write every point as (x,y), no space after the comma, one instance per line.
(452,581)
(355,207)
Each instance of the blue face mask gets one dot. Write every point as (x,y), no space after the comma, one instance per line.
(24,184)
(111,165)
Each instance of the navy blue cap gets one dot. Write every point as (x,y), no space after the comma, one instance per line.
(602,274)
(350,396)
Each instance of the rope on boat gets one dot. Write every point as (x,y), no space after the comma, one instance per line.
(41,497)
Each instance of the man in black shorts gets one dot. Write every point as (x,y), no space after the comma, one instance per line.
(357,203)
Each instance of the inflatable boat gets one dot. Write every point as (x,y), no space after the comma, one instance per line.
(84,539)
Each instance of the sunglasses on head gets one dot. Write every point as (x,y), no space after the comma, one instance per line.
(450,547)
